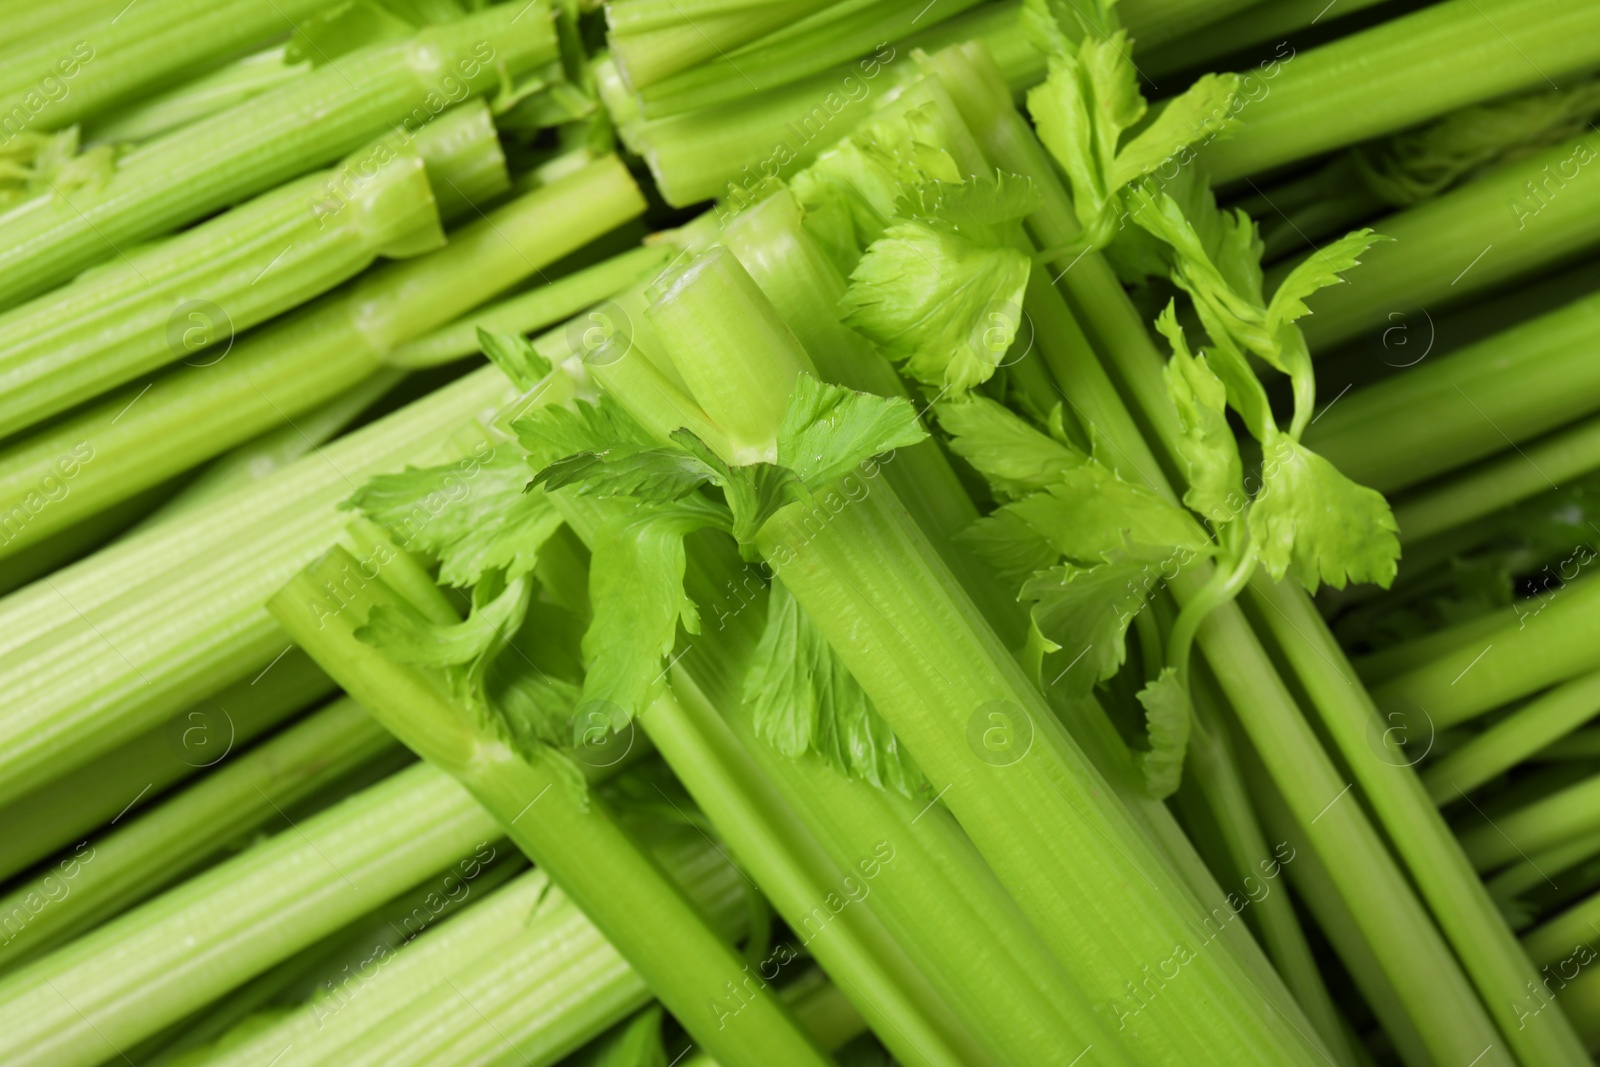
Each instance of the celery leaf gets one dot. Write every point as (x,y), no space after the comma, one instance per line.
(1013,457)
(1313,522)
(554,432)
(656,474)
(1090,514)
(801,699)
(636,591)
(1085,611)
(828,431)
(473,516)
(926,295)
(1010,544)
(1167,718)
(1319,270)
(1210,453)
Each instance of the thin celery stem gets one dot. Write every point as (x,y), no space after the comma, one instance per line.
(152,966)
(1558,936)
(158,848)
(1554,820)
(1541,867)
(1508,742)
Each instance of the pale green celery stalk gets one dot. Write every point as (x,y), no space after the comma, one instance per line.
(573,837)
(1262,22)
(142,435)
(1153,23)
(80,539)
(1212,771)
(637,16)
(188,297)
(1518,217)
(1538,869)
(1549,640)
(647,54)
(193,100)
(1580,1000)
(1526,730)
(155,964)
(1048,824)
(25,19)
(539,307)
(1357,858)
(803,831)
(1405,71)
(1481,491)
(1503,390)
(193,171)
(1557,819)
(106,788)
(729,149)
(1378,667)
(107,648)
(275,449)
(1557,937)
(465,164)
(822,1009)
(838,35)
(528,970)
(1322,896)
(106,56)
(149,853)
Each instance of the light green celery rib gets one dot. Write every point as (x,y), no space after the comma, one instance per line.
(1481,491)
(1508,742)
(117,54)
(901,624)
(1465,242)
(197,99)
(109,647)
(1535,871)
(637,16)
(647,54)
(266,140)
(1403,72)
(726,150)
(162,846)
(1436,995)
(1433,418)
(151,966)
(465,164)
(1547,639)
(140,436)
(836,36)
(275,449)
(1261,22)
(574,838)
(1557,819)
(1334,915)
(528,969)
(533,310)
(1153,23)
(802,830)
(25,19)
(1378,667)
(188,297)
(1556,938)
(105,788)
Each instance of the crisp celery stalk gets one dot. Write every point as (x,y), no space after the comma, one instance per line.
(527,968)
(197,99)
(188,297)
(141,436)
(107,787)
(1555,820)
(155,964)
(1405,71)
(647,53)
(576,839)
(266,140)
(161,847)
(179,605)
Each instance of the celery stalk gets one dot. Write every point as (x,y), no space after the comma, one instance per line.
(102,790)
(1519,735)
(576,839)
(141,436)
(161,847)
(1558,819)
(150,967)
(109,647)
(266,140)
(196,99)
(1404,71)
